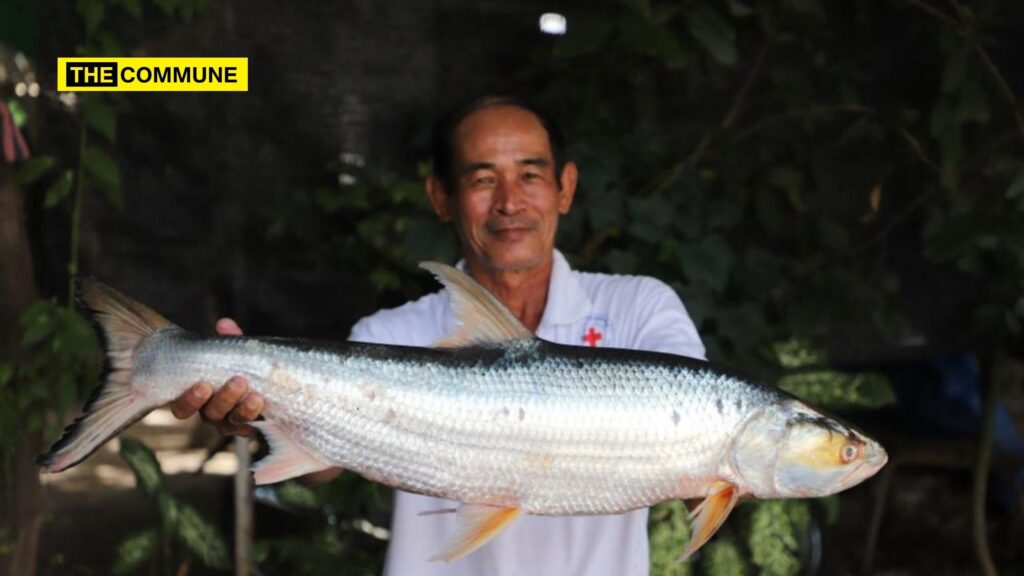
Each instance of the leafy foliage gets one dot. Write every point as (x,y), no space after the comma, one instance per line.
(345,532)
(772,539)
(60,358)
(377,225)
(182,531)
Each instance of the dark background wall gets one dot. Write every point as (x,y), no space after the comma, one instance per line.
(202,172)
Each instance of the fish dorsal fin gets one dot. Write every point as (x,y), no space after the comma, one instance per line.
(484,319)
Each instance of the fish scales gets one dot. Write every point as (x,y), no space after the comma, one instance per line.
(540,425)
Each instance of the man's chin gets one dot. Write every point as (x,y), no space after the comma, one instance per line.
(506,262)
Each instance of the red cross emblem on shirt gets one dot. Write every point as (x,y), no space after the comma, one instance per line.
(592,337)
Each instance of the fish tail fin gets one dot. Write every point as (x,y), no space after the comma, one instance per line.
(122,325)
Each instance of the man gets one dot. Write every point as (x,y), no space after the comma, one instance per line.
(500,178)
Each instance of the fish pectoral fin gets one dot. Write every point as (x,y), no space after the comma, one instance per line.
(286,459)
(484,319)
(476,524)
(710,514)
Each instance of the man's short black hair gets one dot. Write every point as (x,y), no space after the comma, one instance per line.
(443,139)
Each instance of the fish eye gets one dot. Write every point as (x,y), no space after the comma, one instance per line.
(849,453)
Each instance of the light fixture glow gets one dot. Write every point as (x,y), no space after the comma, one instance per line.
(551,23)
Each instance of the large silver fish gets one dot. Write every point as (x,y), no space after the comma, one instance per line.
(492,417)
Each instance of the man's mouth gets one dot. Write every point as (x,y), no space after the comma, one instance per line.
(510,228)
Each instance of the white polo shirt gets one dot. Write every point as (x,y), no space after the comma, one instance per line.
(583,309)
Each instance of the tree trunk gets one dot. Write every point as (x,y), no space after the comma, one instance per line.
(21,506)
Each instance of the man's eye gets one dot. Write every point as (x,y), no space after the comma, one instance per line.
(483,181)
(531,176)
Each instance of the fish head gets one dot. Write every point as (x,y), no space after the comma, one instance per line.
(793,451)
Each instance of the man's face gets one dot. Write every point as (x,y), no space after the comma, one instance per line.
(507,196)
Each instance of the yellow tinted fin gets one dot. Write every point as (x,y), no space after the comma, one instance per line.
(484,319)
(710,514)
(476,524)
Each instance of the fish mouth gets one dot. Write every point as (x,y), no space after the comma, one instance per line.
(873,461)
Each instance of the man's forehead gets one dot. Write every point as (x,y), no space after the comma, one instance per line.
(501,122)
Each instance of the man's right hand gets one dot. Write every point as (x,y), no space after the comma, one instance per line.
(231,407)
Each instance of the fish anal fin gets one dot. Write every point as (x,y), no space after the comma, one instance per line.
(286,459)
(476,524)
(710,514)
(485,320)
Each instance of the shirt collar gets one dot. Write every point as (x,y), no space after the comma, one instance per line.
(567,301)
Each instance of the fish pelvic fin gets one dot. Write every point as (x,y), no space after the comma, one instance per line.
(710,514)
(485,320)
(287,459)
(122,325)
(476,524)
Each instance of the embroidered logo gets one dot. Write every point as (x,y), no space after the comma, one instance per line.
(595,331)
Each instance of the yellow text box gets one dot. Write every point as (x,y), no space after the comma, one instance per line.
(152,74)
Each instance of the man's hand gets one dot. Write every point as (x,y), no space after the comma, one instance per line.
(231,407)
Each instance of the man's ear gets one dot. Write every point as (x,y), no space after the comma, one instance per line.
(568,179)
(439,198)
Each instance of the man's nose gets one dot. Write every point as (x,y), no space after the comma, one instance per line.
(508,196)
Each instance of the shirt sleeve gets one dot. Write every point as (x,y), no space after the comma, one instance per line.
(371,331)
(663,323)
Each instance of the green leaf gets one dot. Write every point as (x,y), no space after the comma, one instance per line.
(202,538)
(91,12)
(839,390)
(100,116)
(774,527)
(723,556)
(669,533)
(714,33)
(37,322)
(6,374)
(34,169)
(708,262)
(59,190)
(148,475)
(103,167)
(383,279)
(296,495)
(134,551)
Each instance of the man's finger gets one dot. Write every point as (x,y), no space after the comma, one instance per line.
(228,429)
(225,399)
(228,327)
(193,399)
(248,409)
